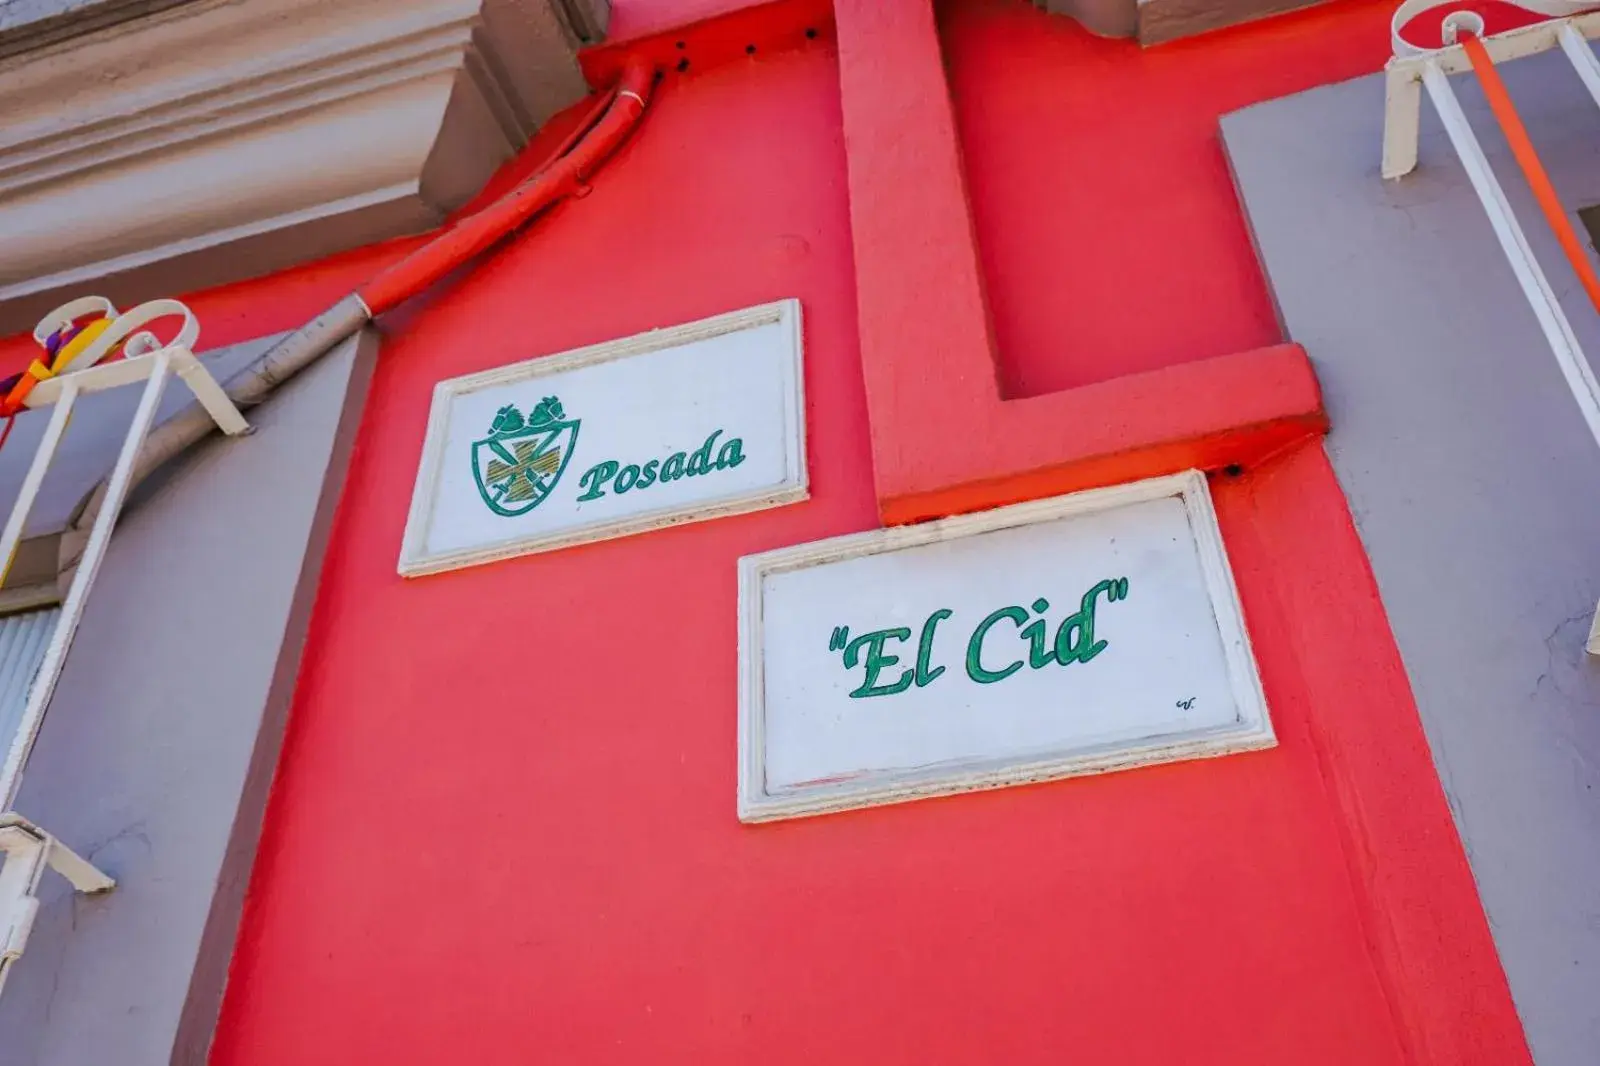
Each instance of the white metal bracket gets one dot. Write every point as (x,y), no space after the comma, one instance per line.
(1403,77)
(25,852)
(145,360)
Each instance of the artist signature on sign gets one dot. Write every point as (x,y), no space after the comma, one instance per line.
(992,654)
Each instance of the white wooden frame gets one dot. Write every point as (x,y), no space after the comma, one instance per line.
(415,560)
(1252,730)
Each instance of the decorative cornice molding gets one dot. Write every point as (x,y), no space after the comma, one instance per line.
(222,139)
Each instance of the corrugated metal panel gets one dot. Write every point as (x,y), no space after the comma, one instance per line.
(23,638)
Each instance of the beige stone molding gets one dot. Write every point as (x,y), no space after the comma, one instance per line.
(223,139)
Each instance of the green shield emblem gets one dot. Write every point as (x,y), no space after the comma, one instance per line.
(522,459)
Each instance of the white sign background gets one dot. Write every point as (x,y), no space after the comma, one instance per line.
(1175,679)
(635,400)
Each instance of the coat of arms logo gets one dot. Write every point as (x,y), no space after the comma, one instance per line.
(521,459)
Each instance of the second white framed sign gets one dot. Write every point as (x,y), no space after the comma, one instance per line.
(1074,635)
(677,425)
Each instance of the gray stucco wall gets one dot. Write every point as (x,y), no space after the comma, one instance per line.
(1473,481)
(156,756)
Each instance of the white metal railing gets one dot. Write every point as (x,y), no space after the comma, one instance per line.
(26,849)
(1413,70)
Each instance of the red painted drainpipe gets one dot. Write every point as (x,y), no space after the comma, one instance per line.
(576,159)
(563,178)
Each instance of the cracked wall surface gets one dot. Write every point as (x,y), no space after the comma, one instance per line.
(1473,480)
(155,758)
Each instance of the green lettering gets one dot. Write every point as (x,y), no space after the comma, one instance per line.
(700,461)
(625,480)
(648,477)
(598,474)
(1038,654)
(672,470)
(975,668)
(877,661)
(1075,639)
(925,647)
(730,454)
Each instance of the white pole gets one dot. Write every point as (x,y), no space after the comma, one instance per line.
(1582,57)
(1535,286)
(72,609)
(30,484)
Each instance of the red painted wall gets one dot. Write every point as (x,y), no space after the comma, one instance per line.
(533,856)
(1106,214)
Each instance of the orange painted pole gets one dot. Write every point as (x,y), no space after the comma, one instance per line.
(1505,113)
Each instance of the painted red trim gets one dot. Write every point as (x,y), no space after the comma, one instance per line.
(925,338)
(1233,409)
(734,36)
(1319,613)
(907,191)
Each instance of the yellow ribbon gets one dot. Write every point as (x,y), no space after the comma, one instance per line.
(74,348)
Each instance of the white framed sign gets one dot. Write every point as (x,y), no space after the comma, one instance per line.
(1075,635)
(676,425)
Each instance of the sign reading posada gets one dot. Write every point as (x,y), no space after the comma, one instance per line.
(677,425)
(1074,635)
